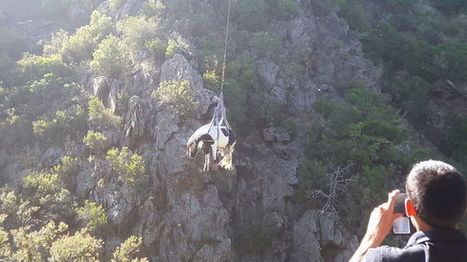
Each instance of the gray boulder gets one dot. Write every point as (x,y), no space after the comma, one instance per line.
(276,134)
(106,90)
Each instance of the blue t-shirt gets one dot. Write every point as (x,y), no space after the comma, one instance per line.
(424,246)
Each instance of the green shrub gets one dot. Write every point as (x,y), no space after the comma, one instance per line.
(171,48)
(100,26)
(48,191)
(56,129)
(157,47)
(53,241)
(49,88)
(67,169)
(128,251)
(356,15)
(56,44)
(128,167)
(101,118)
(79,247)
(136,32)
(245,99)
(8,203)
(153,8)
(19,212)
(176,45)
(37,66)
(80,46)
(93,215)
(115,4)
(176,95)
(111,58)
(211,80)
(34,246)
(450,61)
(418,58)
(96,141)
(43,183)
(5,250)
(414,92)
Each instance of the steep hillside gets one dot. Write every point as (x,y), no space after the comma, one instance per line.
(93,160)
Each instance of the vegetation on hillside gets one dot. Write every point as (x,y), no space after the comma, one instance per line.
(44,106)
(367,138)
(423,48)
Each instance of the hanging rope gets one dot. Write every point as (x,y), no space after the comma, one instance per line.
(218,135)
(220,117)
(225,46)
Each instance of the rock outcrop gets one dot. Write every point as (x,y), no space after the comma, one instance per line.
(276,134)
(333,57)
(106,90)
(188,215)
(181,217)
(317,237)
(184,214)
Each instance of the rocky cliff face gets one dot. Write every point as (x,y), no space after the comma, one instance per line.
(180,215)
(185,214)
(245,215)
(333,57)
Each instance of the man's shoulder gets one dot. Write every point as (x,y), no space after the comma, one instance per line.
(436,245)
(393,254)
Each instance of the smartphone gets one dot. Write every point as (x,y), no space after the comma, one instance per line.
(401,226)
(399,206)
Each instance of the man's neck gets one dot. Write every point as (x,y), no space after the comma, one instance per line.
(420,225)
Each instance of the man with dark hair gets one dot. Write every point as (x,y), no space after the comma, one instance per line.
(436,203)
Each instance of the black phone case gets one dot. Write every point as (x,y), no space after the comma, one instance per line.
(399,206)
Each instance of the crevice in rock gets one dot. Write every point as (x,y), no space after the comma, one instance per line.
(329,251)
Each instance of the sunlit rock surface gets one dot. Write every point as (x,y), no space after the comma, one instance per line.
(245,215)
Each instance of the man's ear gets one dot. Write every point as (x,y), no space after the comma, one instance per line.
(409,208)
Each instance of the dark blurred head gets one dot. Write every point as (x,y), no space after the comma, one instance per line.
(438,193)
(192,148)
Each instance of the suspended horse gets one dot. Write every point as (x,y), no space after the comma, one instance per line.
(214,138)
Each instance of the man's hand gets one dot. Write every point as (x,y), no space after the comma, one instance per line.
(381,220)
(379,226)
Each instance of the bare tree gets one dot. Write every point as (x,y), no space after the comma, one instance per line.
(336,187)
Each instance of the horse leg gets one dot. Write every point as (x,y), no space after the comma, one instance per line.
(226,161)
(214,150)
(207,162)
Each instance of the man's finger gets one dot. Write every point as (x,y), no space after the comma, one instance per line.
(396,216)
(392,196)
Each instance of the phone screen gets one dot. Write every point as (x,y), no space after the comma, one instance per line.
(401,226)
